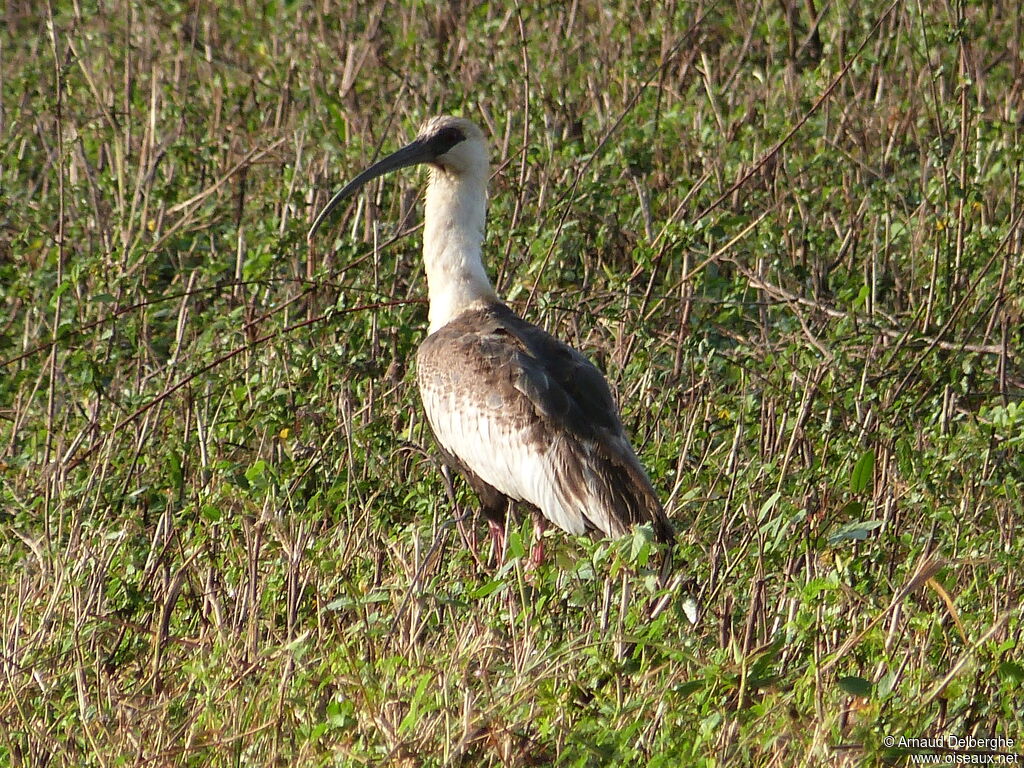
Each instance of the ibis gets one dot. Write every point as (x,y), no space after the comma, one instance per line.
(524,417)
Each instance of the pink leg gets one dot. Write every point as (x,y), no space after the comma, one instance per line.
(498,540)
(537,552)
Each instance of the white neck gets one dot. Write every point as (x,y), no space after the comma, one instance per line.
(453,230)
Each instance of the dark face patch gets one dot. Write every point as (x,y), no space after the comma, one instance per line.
(444,140)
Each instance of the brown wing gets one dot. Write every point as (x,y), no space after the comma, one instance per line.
(534,419)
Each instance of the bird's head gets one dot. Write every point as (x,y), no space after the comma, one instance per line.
(450,145)
(454,145)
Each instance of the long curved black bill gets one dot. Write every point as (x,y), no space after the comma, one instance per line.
(418,151)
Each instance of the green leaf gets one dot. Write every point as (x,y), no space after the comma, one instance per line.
(856,686)
(1012,671)
(486,589)
(516,548)
(640,545)
(211,513)
(174,470)
(815,587)
(768,506)
(887,683)
(862,473)
(857,531)
(689,687)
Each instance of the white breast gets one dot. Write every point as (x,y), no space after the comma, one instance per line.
(505,453)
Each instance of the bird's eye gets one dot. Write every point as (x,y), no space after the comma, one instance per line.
(445,139)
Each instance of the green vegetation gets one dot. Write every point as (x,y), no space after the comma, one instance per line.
(793,244)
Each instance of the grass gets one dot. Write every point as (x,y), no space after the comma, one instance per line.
(791,240)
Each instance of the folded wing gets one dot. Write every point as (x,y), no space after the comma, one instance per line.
(531,418)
